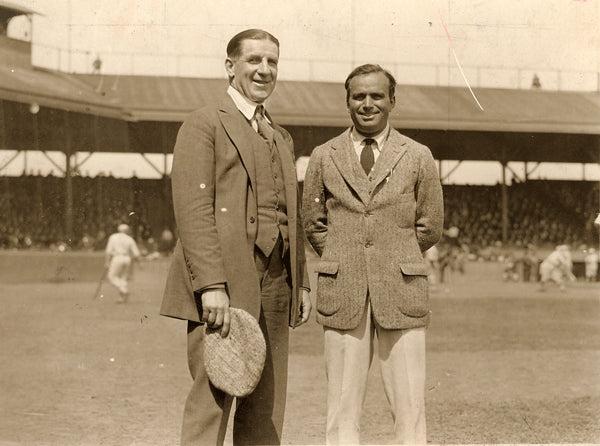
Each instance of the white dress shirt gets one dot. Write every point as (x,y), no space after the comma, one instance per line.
(358,141)
(245,106)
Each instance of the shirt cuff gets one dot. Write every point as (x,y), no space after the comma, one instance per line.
(215,286)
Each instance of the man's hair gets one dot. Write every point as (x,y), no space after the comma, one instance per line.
(368,69)
(234,47)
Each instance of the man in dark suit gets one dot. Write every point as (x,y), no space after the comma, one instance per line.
(236,205)
(372,206)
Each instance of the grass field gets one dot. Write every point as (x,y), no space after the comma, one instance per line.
(506,363)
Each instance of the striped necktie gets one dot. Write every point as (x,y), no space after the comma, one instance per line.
(264,129)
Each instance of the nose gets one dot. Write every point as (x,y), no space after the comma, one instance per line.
(368,102)
(263,67)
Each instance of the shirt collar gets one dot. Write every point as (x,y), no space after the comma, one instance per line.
(244,105)
(380,138)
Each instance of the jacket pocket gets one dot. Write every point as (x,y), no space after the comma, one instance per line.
(414,269)
(328,299)
(415,293)
(327,267)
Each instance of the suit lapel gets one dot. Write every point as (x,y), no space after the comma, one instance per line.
(394,150)
(237,127)
(288,168)
(344,158)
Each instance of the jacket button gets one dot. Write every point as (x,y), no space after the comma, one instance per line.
(252,219)
(368,244)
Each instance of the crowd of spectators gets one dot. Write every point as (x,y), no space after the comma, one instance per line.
(542,213)
(32,213)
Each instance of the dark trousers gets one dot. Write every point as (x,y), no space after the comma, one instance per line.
(258,417)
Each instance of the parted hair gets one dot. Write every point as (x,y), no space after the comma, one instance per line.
(234,47)
(368,69)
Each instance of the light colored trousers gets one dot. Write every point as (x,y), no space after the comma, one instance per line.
(118,273)
(348,357)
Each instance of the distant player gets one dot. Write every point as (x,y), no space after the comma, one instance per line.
(432,257)
(591,265)
(556,267)
(121,250)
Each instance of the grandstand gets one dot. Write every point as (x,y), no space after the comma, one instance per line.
(47,110)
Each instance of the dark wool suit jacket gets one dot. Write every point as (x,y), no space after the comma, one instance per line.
(213,181)
(371,232)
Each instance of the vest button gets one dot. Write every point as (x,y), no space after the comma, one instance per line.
(252,219)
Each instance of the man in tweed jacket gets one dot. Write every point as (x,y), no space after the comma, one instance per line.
(372,206)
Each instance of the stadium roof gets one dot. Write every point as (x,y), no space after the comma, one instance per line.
(141,114)
(323,104)
(55,90)
(10,9)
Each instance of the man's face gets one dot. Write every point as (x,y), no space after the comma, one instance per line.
(369,102)
(254,72)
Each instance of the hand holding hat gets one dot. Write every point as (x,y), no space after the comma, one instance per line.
(234,363)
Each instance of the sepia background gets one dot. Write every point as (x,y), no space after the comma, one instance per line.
(507,96)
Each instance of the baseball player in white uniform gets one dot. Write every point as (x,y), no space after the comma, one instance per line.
(591,265)
(121,249)
(556,266)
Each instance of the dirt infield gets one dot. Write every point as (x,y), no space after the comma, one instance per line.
(506,363)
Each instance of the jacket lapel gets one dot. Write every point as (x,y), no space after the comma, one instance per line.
(394,150)
(344,158)
(288,168)
(237,127)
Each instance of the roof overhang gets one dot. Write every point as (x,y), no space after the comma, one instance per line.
(10,9)
(143,114)
(323,104)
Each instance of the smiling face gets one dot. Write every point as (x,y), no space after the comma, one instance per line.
(369,102)
(254,72)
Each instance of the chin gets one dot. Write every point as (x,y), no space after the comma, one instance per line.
(369,130)
(260,96)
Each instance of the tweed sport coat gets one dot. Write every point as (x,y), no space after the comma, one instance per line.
(371,232)
(214,184)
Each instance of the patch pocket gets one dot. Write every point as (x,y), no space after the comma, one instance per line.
(414,300)
(328,300)
(327,267)
(414,269)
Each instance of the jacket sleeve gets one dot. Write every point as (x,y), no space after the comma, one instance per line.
(303,279)
(314,205)
(193,184)
(429,219)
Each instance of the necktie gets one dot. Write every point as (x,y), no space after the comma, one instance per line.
(367,158)
(264,129)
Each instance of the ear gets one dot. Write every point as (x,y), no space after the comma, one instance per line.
(229,68)
(393,100)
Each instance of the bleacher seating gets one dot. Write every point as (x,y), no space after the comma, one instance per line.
(543,213)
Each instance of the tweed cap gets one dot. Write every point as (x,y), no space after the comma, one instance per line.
(234,364)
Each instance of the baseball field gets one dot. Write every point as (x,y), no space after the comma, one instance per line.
(505,363)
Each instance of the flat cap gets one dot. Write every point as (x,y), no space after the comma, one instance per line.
(234,364)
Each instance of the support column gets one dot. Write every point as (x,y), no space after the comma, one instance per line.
(100,202)
(504,205)
(68,151)
(166,220)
